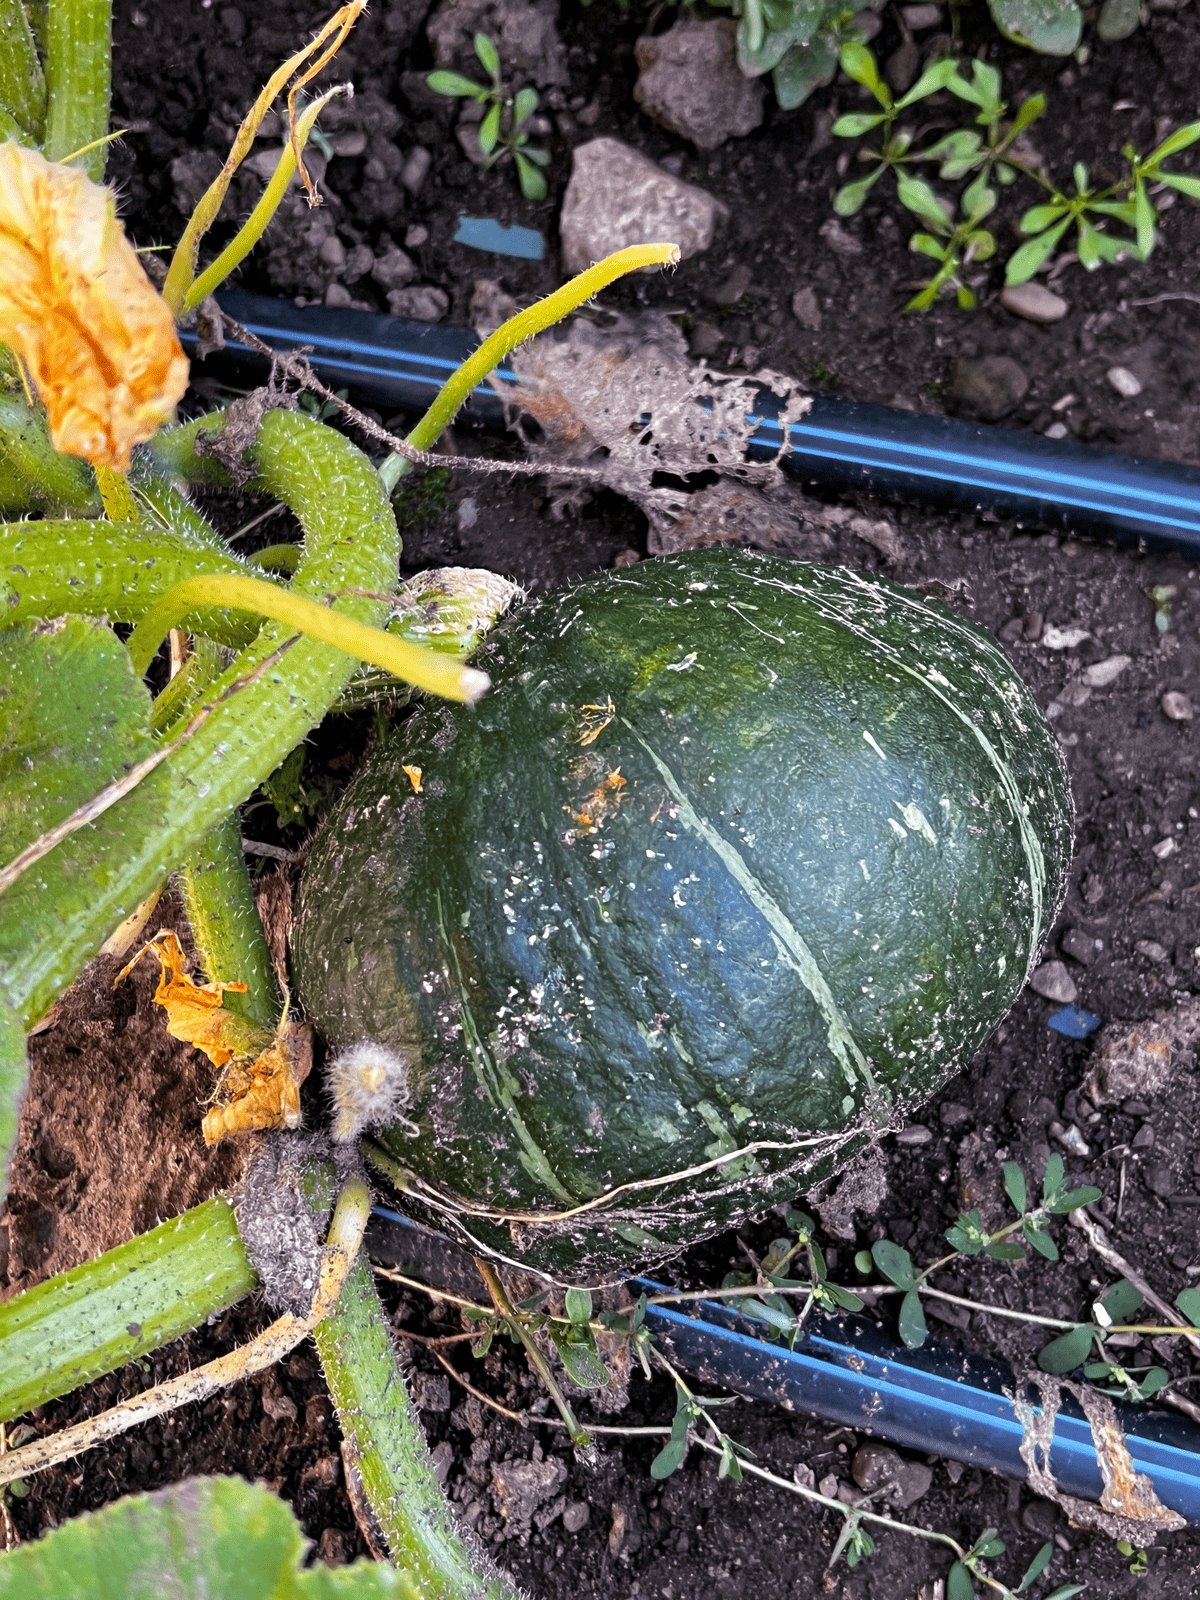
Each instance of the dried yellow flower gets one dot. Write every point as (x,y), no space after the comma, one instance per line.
(76,305)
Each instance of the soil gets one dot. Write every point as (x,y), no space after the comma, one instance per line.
(110,1136)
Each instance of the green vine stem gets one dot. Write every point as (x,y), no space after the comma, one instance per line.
(426,669)
(22,81)
(56,916)
(389,1453)
(41,473)
(226,925)
(78,81)
(99,1316)
(534,319)
(107,569)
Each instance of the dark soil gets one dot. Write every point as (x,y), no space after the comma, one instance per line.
(110,1139)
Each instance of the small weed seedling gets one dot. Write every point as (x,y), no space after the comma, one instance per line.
(987,153)
(503,129)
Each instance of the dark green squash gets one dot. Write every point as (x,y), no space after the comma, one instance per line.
(736,863)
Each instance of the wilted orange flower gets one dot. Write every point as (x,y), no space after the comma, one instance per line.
(195,1012)
(76,305)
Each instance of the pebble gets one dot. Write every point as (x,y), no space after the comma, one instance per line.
(1053,982)
(921,16)
(1034,302)
(338,295)
(1071,1139)
(828,1486)
(393,269)
(1079,946)
(416,168)
(952,1114)
(423,304)
(1101,673)
(876,1465)
(332,252)
(1124,382)
(1068,638)
(1177,706)
(705,339)
(441,1459)
(576,1516)
(349,142)
(1160,1180)
(359,262)
(986,387)
(467,514)
(416,236)
(1164,848)
(1143,1139)
(618,197)
(916,1133)
(1152,950)
(838,240)
(806,310)
(734,287)
(690,82)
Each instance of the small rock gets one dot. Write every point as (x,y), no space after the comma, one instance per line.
(1124,382)
(392,269)
(359,262)
(921,16)
(915,1134)
(1177,706)
(838,240)
(1075,693)
(332,252)
(876,1466)
(618,197)
(416,236)
(337,294)
(1053,982)
(952,1114)
(828,1486)
(1101,673)
(689,81)
(1152,950)
(1071,1139)
(705,338)
(350,142)
(576,1516)
(1040,1518)
(903,65)
(1143,1139)
(1093,888)
(1034,302)
(805,308)
(1067,638)
(441,1459)
(986,387)
(954,1470)
(1160,1180)
(1164,848)
(734,287)
(416,168)
(1079,946)
(423,304)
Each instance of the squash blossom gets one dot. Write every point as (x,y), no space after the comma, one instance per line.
(96,337)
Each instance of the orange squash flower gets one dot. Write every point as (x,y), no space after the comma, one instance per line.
(96,337)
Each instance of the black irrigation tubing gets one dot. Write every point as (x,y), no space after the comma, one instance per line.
(844,1370)
(841,444)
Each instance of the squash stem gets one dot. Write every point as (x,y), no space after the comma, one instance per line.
(226,925)
(579,1436)
(387,1452)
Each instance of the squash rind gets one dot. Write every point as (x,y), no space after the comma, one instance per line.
(738,862)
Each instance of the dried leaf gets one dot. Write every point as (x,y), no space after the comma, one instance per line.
(195,1012)
(263,1093)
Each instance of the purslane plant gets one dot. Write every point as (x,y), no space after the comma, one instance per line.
(986,154)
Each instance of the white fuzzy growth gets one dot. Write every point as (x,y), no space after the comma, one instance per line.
(368,1086)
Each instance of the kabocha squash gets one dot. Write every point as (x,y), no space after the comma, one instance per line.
(738,860)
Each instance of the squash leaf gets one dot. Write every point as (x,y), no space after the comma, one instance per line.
(202,1537)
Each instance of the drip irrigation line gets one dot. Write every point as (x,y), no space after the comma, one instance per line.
(845,1371)
(841,444)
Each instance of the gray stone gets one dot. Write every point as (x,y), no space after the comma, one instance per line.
(1102,673)
(705,339)
(1079,946)
(332,252)
(337,294)
(393,269)
(987,387)
(952,1114)
(576,1516)
(876,1466)
(690,82)
(359,262)
(838,240)
(805,308)
(424,303)
(416,168)
(921,16)
(1126,383)
(1177,706)
(1034,302)
(617,197)
(734,287)
(1152,950)
(1160,1180)
(1053,982)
